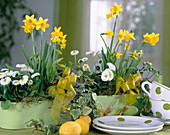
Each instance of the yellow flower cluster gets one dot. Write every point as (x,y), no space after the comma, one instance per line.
(109,33)
(30,23)
(151,38)
(125,35)
(116,9)
(57,36)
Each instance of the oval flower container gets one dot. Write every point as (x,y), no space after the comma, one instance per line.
(17,116)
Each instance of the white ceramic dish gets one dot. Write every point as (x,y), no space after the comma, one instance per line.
(130,123)
(121,132)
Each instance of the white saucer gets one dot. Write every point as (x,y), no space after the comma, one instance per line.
(130,123)
(121,132)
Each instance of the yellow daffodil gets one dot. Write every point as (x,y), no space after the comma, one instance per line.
(56,35)
(63,39)
(109,33)
(151,39)
(118,54)
(27,28)
(30,20)
(128,36)
(128,47)
(147,38)
(62,46)
(116,9)
(109,15)
(135,54)
(42,24)
(154,38)
(120,35)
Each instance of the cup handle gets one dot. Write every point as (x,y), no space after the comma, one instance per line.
(143,87)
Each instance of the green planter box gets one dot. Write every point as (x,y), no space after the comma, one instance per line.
(115,101)
(19,113)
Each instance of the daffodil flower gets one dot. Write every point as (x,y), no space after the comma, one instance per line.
(109,33)
(42,24)
(118,54)
(120,35)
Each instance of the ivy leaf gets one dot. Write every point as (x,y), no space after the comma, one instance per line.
(75,113)
(46,130)
(81,101)
(53,128)
(86,110)
(5,104)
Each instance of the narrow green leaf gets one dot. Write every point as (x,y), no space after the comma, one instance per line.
(26,56)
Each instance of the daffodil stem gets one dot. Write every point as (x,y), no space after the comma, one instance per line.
(40,58)
(141,46)
(33,51)
(116,45)
(114,28)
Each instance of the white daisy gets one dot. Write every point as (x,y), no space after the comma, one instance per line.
(74,52)
(15,82)
(89,52)
(96,52)
(80,73)
(15,73)
(85,67)
(4,69)
(30,82)
(23,80)
(21,66)
(111,66)
(80,61)
(107,75)
(9,73)
(27,69)
(35,74)
(84,59)
(5,81)
(2,75)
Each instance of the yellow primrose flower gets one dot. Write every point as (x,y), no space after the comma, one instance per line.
(118,54)
(128,35)
(120,35)
(27,28)
(30,20)
(135,54)
(62,46)
(109,33)
(128,47)
(116,9)
(154,38)
(147,38)
(42,24)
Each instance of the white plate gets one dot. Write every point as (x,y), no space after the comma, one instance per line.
(166,122)
(132,123)
(121,132)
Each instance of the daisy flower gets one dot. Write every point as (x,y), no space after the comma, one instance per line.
(21,66)
(15,82)
(2,75)
(9,73)
(4,69)
(23,80)
(89,52)
(74,52)
(5,81)
(111,66)
(15,73)
(84,59)
(85,67)
(27,69)
(107,75)
(35,74)
(30,82)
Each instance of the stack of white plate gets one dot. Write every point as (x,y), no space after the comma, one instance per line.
(123,125)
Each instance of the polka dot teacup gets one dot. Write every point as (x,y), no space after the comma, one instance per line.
(160,109)
(157,91)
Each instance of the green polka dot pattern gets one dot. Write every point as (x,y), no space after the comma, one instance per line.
(158,90)
(166,106)
(148,121)
(159,114)
(121,119)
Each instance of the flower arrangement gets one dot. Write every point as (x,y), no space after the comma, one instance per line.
(41,70)
(116,70)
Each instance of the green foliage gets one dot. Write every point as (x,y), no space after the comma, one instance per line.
(40,126)
(9,25)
